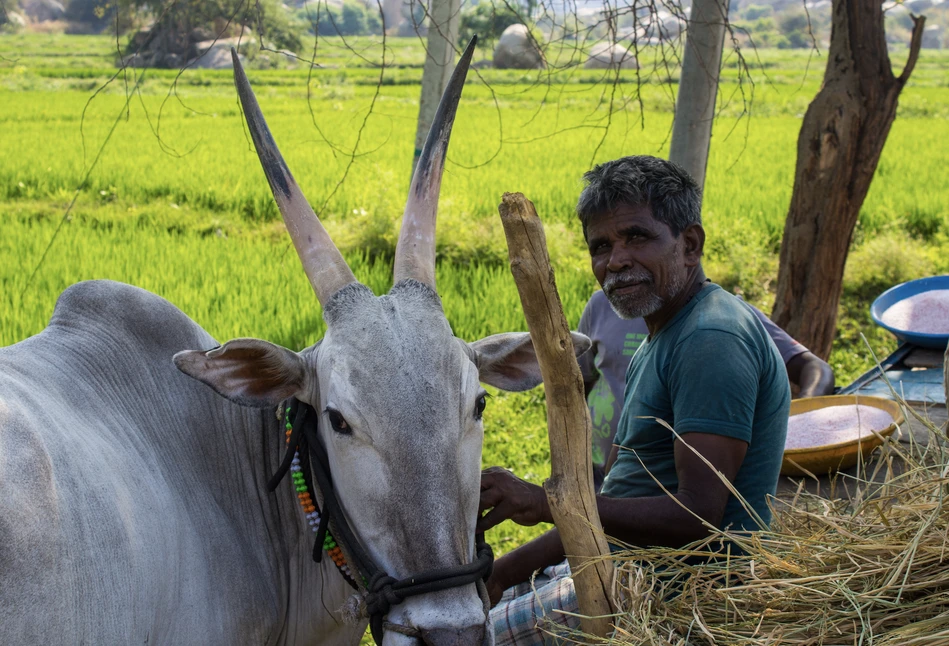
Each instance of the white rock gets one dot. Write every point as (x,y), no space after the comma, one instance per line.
(610,56)
(516,50)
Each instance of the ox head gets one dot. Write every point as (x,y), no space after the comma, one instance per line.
(399,396)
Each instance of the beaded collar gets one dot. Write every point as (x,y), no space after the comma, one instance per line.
(310,509)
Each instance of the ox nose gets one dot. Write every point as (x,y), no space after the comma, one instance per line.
(470,636)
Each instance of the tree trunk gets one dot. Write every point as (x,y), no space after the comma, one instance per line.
(698,87)
(838,148)
(440,54)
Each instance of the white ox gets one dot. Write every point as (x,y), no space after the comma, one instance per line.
(133,502)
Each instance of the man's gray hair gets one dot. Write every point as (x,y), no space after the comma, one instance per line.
(671,193)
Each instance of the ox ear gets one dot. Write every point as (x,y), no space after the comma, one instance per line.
(249,372)
(507,361)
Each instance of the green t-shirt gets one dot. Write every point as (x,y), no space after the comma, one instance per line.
(711,369)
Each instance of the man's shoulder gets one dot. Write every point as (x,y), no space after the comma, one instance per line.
(598,303)
(724,321)
(720,311)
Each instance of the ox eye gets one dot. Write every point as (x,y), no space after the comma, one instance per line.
(339,424)
(480,403)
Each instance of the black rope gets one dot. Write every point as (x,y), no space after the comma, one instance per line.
(297,421)
(342,533)
(382,591)
(385,591)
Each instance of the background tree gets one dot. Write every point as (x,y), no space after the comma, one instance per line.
(698,88)
(443,18)
(97,14)
(838,149)
(353,18)
(488,20)
(177,28)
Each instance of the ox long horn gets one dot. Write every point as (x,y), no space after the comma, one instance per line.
(323,263)
(415,253)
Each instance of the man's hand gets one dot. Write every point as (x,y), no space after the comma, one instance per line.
(812,375)
(510,498)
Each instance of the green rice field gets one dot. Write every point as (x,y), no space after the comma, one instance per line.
(169,194)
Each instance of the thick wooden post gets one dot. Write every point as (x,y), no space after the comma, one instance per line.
(570,486)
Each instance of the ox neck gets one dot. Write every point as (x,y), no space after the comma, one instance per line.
(274,523)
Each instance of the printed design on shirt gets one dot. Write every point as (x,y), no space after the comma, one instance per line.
(602,405)
(632,343)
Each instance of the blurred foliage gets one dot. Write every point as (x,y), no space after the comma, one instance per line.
(487,20)
(353,18)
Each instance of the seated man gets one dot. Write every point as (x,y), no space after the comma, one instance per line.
(615,341)
(707,368)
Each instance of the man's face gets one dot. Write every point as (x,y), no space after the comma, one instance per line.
(637,260)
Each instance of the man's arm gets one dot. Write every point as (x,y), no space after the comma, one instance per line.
(518,565)
(699,502)
(812,375)
(673,521)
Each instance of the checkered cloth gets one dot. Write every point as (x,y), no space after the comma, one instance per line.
(524,610)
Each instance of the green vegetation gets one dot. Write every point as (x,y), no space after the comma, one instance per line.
(488,21)
(177,203)
(352,19)
(792,28)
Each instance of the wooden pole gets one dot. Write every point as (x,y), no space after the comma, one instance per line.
(570,486)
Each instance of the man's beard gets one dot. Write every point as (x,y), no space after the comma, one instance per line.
(633,306)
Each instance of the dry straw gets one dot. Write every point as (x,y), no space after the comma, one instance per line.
(869,570)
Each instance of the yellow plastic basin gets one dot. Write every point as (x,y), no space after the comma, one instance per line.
(820,460)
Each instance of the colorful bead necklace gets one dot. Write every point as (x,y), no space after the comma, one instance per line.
(310,510)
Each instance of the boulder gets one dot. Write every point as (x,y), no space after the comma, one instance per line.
(15,20)
(43,10)
(516,50)
(671,28)
(217,58)
(932,37)
(216,55)
(171,61)
(604,56)
(141,39)
(135,60)
(200,34)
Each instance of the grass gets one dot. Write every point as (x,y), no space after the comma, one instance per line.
(177,203)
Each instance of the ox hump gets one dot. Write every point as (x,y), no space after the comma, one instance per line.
(116,312)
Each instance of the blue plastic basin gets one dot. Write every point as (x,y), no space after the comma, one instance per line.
(902,292)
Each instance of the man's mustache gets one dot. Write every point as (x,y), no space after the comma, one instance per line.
(614,281)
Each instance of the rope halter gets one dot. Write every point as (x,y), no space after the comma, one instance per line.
(306,455)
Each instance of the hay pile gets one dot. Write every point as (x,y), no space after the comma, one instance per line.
(874,570)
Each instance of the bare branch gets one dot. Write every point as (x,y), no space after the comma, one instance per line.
(915,43)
